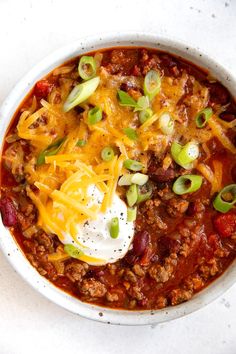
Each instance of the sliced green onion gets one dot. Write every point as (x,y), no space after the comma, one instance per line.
(175,149)
(187,184)
(125,180)
(225,199)
(152,84)
(185,155)
(81,143)
(114,227)
(125,99)
(73,251)
(144,193)
(87,67)
(80,93)
(107,153)
(139,178)
(142,103)
(131,214)
(203,116)
(133,165)
(136,178)
(51,150)
(189,153)
(166,124)
(94,115)
(132,195)
(130,133)
(145,115)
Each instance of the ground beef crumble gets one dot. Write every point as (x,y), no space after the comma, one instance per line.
(177,207)
(93,288)
(76,271)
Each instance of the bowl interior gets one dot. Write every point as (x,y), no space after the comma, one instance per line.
(12,250)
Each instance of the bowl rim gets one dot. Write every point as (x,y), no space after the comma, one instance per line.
(10,247)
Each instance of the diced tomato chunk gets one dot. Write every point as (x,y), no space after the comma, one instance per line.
(42,89)
(225,224)
(8,211)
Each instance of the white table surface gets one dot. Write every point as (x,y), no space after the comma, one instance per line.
(31,29)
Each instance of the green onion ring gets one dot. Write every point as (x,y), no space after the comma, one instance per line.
(152,84)
(87,67)
(203,116)
(222,205)
(180,187)
(166,123)
(188,154)
(107,153)
(184,155)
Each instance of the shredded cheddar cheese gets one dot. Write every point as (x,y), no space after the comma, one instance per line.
(214,178)
(219,132)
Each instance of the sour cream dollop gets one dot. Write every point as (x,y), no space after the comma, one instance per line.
(98,246)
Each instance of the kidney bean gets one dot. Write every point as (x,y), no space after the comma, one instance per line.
(140,242)
(227,116)
(218,93)
(161,175)
(8,211)
(42,89)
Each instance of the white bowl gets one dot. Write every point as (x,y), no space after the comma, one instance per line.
(7,242)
